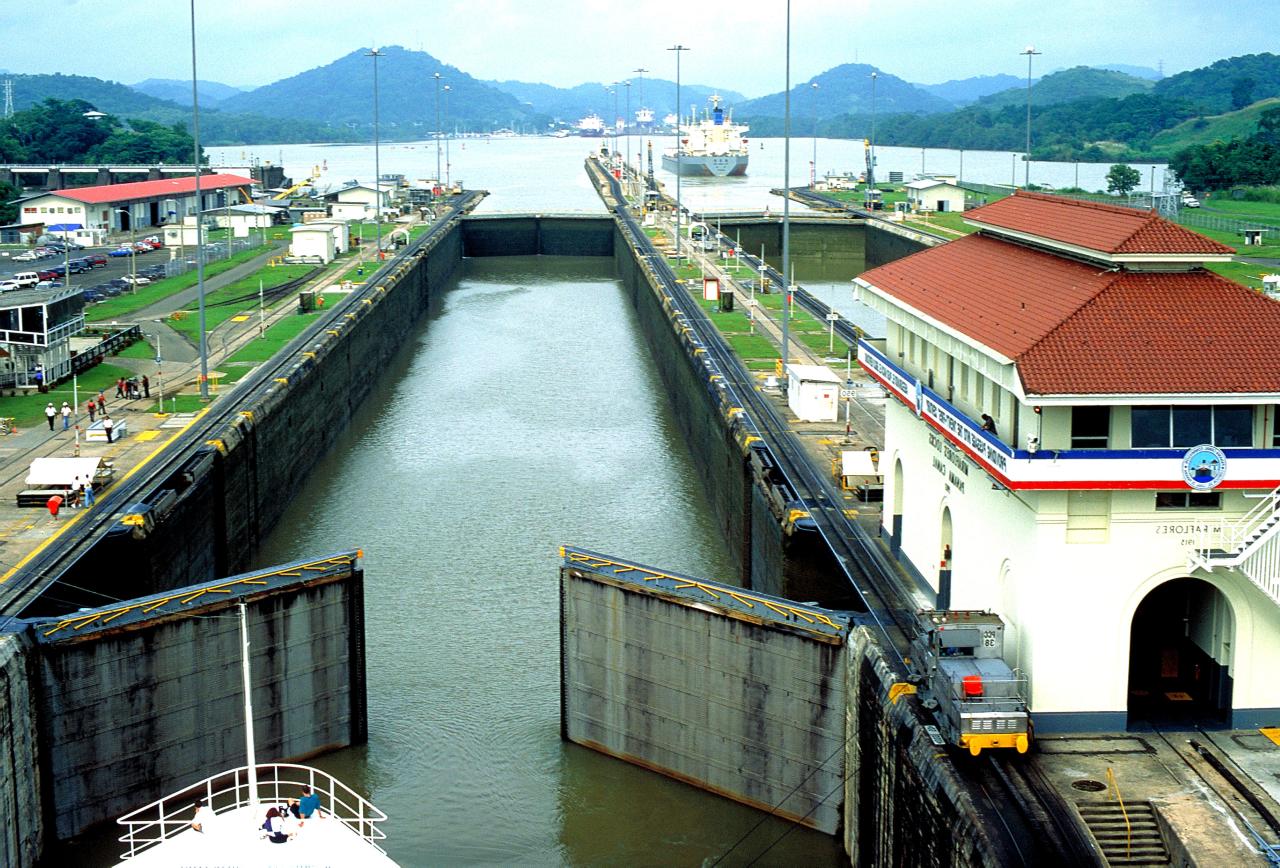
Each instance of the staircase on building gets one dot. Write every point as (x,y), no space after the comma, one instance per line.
(1136,841)
(1250,545)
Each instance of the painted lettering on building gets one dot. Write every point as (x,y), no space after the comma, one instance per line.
(880,368)
(966,434)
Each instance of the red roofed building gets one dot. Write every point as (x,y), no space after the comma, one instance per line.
(1082,435)
(121,207)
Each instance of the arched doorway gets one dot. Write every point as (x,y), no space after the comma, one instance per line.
(1180,647)
(895,531)
(944,561)
(126,219)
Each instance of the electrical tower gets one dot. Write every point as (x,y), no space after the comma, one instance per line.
(8,97)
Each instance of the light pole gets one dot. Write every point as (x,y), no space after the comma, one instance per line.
(640,71)
(613,89)
(448,182)
(626,126)
(159,367)
(1030,52)
(439,177)
(680,49)
(133,250)
(871,169)
(195,130)
(377,167)
(786,206)
(813,171)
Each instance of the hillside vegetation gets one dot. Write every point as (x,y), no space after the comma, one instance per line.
(1071,85)
(1204,130)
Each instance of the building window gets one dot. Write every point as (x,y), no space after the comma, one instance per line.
(1188,499)
(1183,427)
(1090,427)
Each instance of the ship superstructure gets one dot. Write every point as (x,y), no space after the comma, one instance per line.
(712,146)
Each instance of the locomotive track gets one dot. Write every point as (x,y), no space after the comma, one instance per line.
(191,448)
(1034,824)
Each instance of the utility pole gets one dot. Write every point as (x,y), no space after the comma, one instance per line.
(377,166)
(679,49)
(439,176)
(1030,52)
(448,181)
(195,129)
(813,171)
(786,207)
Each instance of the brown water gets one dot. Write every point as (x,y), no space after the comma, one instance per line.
(525,413)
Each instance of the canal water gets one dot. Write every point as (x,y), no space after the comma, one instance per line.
(525,412)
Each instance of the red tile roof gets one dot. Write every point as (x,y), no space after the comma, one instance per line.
(1073,328)
(1093,225)
(150,189)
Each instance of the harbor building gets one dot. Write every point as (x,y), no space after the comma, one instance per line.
(122,207)
(1082,436)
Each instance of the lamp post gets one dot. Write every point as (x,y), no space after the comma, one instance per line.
(813,170)
(133,250)
(195,130)
(377,167)
(448,182)
(626,126)
(640,71)
(439,177)
(1030,52)
(871,169)
(786,207)
(680,49)
(613,89)
(159,367)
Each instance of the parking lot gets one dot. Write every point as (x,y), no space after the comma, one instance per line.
(150,264)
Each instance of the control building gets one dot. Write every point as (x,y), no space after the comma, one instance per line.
(136,205)
(1082,436)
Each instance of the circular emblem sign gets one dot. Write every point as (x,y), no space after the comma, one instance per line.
(1203,467)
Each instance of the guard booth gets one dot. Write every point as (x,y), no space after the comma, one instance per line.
(859,471)
(813,393)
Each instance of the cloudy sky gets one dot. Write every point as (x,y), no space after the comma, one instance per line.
(737,44)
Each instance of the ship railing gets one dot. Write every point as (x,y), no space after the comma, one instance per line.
(230,790)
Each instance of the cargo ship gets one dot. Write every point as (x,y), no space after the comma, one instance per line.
(591,127)
(713,146)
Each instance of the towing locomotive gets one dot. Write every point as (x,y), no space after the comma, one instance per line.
(962,677)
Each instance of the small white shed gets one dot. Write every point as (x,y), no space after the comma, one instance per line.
(932,194)
(813,393)
(313,239)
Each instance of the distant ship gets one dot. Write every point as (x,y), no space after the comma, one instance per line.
(591,126)
(644,118)
(714,146)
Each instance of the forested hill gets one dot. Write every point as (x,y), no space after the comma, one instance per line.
(341,93)
(1226,85)
(1071,85)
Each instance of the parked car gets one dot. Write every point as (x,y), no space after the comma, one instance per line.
(136,279)
(79,266)
(121,251)
(52,273)
(7,285)
(154,239)
(92,295)
(26,256)
(48,284)
(118,282)
(143,247)
(97,260)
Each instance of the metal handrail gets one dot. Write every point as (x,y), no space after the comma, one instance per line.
(1128,829)
(229,790)
(1232,537)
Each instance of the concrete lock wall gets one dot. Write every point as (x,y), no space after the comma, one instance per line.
(748,710)
(131,713)
(883,246)
(21,820)
(714,438)
(537,236)
(904,803)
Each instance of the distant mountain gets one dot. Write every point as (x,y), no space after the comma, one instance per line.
(846,89)
(570,104)
(1135,71)
(1070,85)
(1226,85)
(106,96)
(963,91)
(179,90)
(341,93)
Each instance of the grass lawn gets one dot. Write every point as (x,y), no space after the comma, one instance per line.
(358,273)
(751,347)
(126,303)
(1270,241)
(1247,273)
(182,404)
(230,300)
(262,348)
(952,220)
(137,350)
(29,409)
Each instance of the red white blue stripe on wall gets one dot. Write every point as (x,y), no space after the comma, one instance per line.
(1074,469)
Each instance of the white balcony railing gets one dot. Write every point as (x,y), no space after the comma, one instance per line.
(1250,544)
